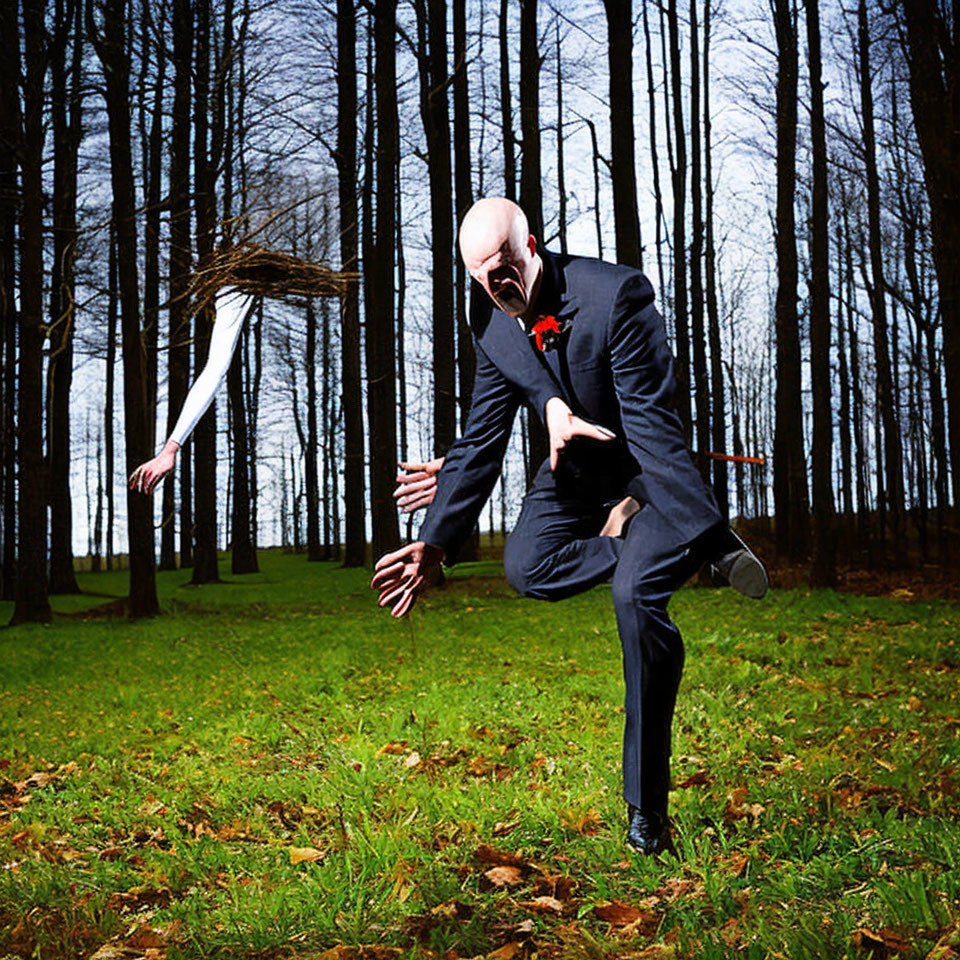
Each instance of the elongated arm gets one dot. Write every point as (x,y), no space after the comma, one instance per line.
(473,462)
(232,309)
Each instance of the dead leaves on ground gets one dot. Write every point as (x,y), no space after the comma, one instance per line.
(443,756)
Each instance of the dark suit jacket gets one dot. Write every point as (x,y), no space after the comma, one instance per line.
(613,366)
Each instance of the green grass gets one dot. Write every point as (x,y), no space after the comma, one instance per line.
(183,759)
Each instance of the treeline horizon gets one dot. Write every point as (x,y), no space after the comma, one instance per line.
(139,139)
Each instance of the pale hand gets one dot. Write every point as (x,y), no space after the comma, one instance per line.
(149,474)
(563,426)
(418,486)
(400,577)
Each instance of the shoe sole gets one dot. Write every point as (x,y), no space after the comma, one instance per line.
(747,576)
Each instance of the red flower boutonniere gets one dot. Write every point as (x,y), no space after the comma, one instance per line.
(547,332)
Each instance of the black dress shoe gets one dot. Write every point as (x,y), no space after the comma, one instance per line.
(735,563)
(648,832)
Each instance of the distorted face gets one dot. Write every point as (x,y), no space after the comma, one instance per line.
(501,254)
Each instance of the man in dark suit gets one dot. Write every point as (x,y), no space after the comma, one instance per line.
(581,341)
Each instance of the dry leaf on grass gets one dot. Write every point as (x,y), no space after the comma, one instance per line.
(504,876)
(499,858)
(617,913)
(543,905)
(507,952)
(882,943)
(304,854)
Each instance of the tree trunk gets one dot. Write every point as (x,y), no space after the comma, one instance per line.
(66,145)
(311,447)
(531,190)
(434,110)
(243,552)
(561,163)
(701,385)
(326,446)
(178,355)
(466,359)
(931,44)
(892,449)
(205,567)
(463,194)
(718,435)
(32,603)
(623,163)
(346,157)
(844,411)
(151,240)
(506,110)
(114,56)
(679,178)
(789,464)
(654,158)
(113,318)
(10,127)
(823,570)
(380,343)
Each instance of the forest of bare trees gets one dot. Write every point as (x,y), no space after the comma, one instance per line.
(787,173)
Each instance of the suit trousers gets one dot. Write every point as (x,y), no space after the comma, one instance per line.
(554,552)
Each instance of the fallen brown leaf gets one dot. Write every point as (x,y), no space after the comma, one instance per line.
(500,858)
(543,905)
(617,913)
(698,779)
(883,943)
(304,854)
(504,876)
(506,952)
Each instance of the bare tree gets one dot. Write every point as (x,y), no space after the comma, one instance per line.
(823,570)
(622,160)
(32,603)
(789,465)
(114,56)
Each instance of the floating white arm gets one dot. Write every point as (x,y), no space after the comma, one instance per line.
(232,309)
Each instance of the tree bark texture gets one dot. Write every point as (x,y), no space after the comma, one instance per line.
(115,57)
(789,465)
(434,109)
(933,52)
(205,566)
(32,603)
(679,178)
(66,116)
(354,482)
(10,135)
(380,335)
(701,384)
(823,569)
(622,159)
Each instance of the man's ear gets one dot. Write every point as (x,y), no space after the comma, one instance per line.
(532,244)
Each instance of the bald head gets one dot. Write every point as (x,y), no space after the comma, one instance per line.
(500,254)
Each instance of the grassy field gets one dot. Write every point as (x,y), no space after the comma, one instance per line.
(275,768)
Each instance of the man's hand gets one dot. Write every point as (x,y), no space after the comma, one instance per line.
(401,576)
(563,426)
(418,486)
(149,474)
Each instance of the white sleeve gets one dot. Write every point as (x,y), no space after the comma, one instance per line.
(232,309)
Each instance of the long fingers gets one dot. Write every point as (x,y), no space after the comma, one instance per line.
(390,558)
(424,499)
(581,428)
(409,485)
(408,599)
(387,574)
